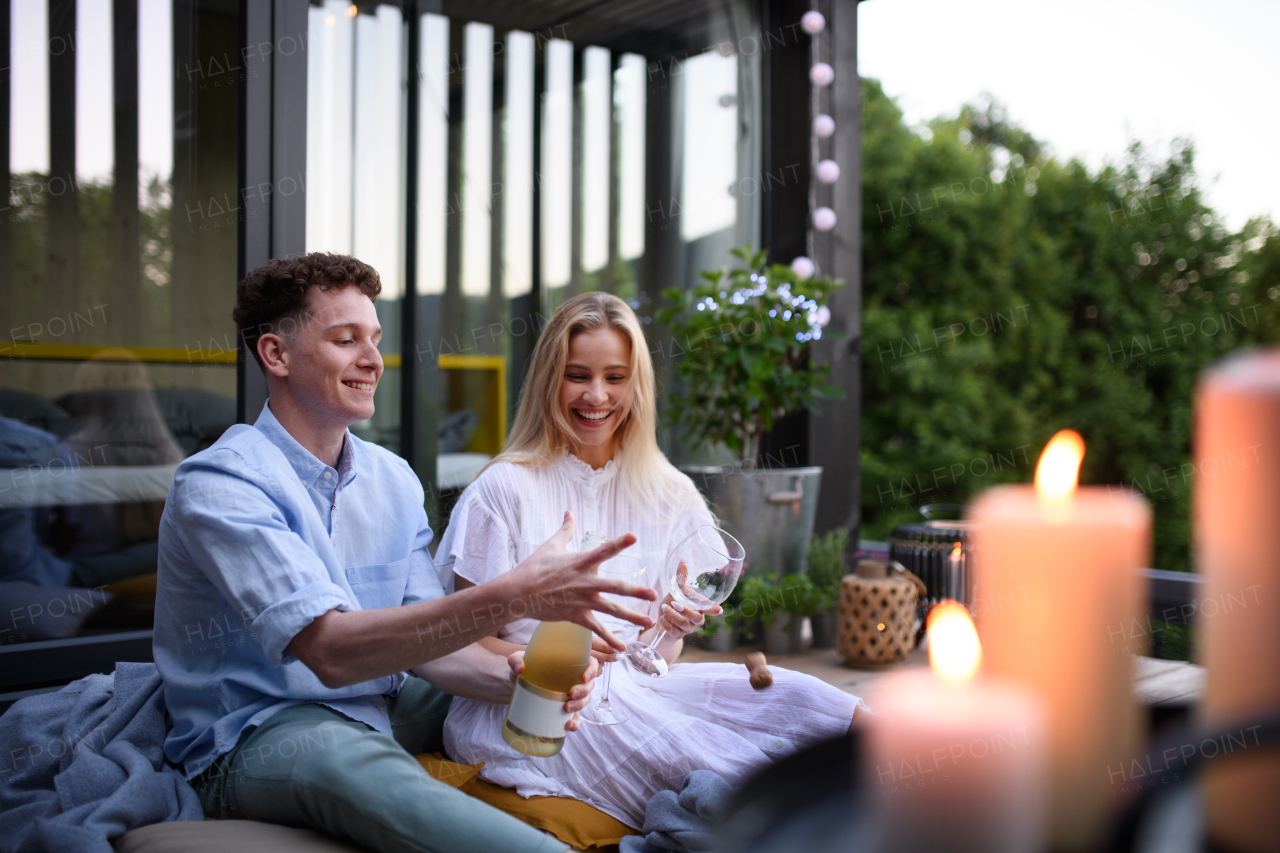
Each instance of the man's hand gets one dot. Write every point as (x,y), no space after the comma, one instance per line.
(579,696)
(349,647)
(569,581)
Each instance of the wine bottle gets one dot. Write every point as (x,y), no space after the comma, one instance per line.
(592,540)
(557,656)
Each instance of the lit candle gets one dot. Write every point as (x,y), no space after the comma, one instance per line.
(956,762)
(955,574)
(1237,504)
(1062,564)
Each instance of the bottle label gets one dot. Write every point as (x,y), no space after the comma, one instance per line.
(538,712)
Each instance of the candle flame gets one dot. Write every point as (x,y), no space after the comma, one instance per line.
(1058,471)
(955,653)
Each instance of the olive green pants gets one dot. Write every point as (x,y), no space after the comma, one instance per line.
(309,766)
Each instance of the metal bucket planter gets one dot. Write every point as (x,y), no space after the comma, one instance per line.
(824,629)
(782,635)
(770,511)
(725,638)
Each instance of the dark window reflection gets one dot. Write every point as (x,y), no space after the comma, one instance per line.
(117,276)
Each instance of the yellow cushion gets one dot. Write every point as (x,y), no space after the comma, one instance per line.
(449,772)
(572,821)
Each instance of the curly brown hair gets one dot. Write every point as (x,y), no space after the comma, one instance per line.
(277,291)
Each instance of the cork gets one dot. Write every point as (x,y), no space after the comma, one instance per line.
(757,666)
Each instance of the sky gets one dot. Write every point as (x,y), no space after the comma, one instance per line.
(1089,76)
(29,106)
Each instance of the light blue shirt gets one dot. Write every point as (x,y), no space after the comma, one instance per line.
(258,538)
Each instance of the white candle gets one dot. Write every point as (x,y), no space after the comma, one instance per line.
(1237,515)
(1066,560)
(956,763)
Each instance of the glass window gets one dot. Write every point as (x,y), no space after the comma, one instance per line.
(597,117)
(629,96)
(709,89)
(549,161)
(118,263)
(356,169)
(556,177)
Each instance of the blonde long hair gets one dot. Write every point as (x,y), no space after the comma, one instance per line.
(541,433)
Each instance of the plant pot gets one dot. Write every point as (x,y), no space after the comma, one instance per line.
(725,638)
(823,624)
(771,512)
(782,636)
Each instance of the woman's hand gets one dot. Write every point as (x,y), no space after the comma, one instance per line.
(579,696)
(680,620)
(602,651)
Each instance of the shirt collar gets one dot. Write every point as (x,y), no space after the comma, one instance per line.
(583,473)
(309,469)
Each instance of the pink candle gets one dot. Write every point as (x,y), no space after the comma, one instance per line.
(1072,557)
(1237,531)
(956,762)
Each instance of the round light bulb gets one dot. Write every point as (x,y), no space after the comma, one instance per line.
(802,267)
(828,171)
(823,126)
(822,74)
(813,22)
(824,219)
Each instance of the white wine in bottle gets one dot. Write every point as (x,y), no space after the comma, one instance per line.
(557,656)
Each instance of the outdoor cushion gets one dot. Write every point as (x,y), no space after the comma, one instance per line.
(574,822)
(227,836)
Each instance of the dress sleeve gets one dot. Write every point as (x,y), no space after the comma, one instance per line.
(478,542)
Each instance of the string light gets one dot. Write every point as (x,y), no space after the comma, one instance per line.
(823,126)
(813,22)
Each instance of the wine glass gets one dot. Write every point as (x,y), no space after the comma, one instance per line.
(701,572)
(625,568)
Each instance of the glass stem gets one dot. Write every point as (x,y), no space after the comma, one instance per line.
(653,644)
(604,691)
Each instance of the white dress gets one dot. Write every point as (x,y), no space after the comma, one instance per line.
(703,716)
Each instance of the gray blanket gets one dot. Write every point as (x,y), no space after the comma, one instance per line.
(683,822)
(86,764)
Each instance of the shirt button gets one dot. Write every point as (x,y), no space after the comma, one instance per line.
(777,744)
(327,475)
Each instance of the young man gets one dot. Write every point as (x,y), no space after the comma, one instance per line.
(296,595)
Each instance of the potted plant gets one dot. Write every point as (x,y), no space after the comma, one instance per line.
(720,633)
(778,608)
(745,335)
(751,606)
(827,568)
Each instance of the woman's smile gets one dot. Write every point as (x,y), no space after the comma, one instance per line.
(593,418)
(595,392)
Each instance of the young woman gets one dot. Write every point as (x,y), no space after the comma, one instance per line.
(584,440)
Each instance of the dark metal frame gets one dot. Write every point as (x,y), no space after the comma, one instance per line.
(272,153)
(272,224)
